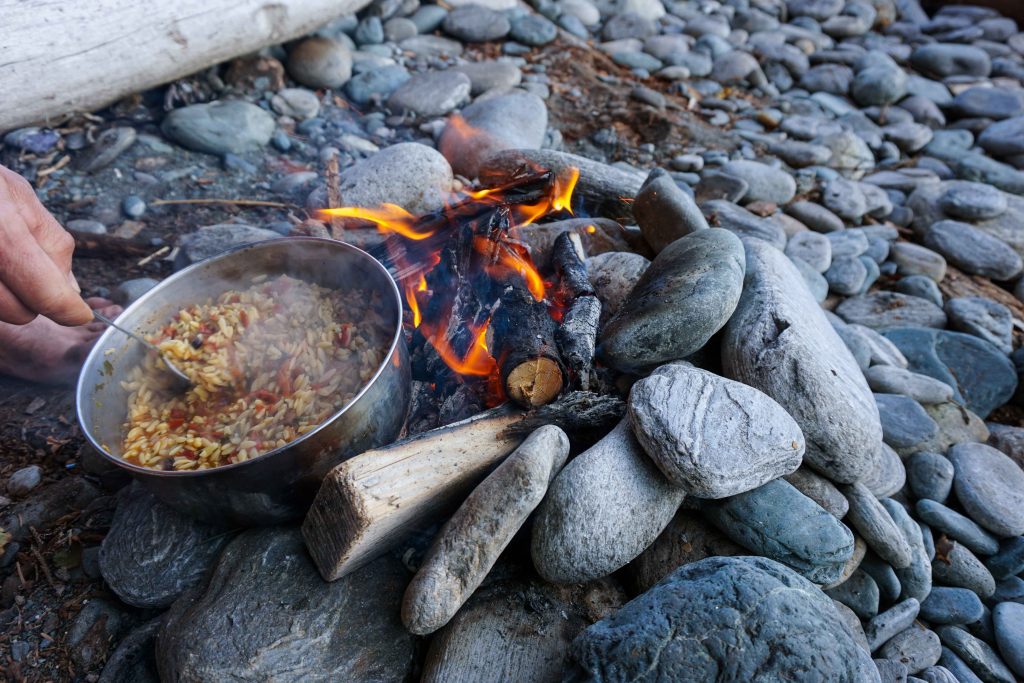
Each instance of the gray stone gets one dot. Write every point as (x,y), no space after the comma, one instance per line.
(815,216)
(820,490)
(1009,560)
(910,137)
(800,154)
(397,29)
(850,243)
(490,75)
(957,668)
(1008,621)
(957,527)
(765,183)
(664,212)
(711,436)
(916,580)
(93,632)
(887,379)
(320,62)
(846,275)
(916,647)
(629,25)
(780,342)
(990,487)
(922,286)
(469,544)
(432,93)
(913,259)
(977,654)
(905,424)
(714,185)
(23,480)
(859,592)
(883,351)
(428,46)
(811,247)
(989,103)
(737,67)
(889,588)
(949,59)
(153,554)
(930,476)
(973,250)
(517,120)
(87,226)
(1004,138)
(972,201)
(220,127)
(887,310)
(298,103)
(982,318)
(879,85)
(745,224)
(602,510)
(411,175)
(815,281)
(613,276)
(476,24)
(982,377)
(216,239)
(296,626)
(851,156)
(894,620)
(376,84)
(957,424)
(888,477)
(132,661)
(534,30)
(532,622)
(787,629)
(852,622)
(779,522)
(686,295)
(951,606)
(955,565)
(819,10)
(830,78)
(876,527)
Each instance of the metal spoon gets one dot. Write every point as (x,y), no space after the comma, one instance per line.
(182,378)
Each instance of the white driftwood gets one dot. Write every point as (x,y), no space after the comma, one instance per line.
(370,503)
(60,56)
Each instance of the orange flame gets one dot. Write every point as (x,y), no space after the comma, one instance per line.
(560,199)
(389,218)
(509,258)
(478,361)
(414,306)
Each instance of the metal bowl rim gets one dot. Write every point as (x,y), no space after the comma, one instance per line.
(81,389)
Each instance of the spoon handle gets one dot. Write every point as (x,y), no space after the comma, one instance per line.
(137,337)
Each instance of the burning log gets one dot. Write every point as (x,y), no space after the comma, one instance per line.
(370,503)
(583,415)
(524,344)
(577,336)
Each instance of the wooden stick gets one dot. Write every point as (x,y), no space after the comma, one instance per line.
(235,202)
(524,346)
(370,503)
(90,244)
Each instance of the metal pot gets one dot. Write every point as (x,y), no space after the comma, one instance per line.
(278,485)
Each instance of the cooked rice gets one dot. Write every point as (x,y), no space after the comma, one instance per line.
(269,364)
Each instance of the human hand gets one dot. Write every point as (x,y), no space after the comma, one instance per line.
(35,260)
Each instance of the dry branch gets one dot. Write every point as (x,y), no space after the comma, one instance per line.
(370,503)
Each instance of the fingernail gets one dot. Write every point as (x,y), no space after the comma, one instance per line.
(74,282)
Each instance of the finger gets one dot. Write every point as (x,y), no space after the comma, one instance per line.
(12,310)
(54,239)
(40,285)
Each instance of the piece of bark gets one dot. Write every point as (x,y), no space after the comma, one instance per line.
(472,540)
(370,503)
(579,413)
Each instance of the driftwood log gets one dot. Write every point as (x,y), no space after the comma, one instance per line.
(577,335)
(370,503)
(61,57)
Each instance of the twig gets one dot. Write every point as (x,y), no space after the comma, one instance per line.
(156,254)
(333,194)
(235,202)
(42,561)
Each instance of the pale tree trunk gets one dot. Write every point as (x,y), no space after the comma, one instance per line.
(62,56)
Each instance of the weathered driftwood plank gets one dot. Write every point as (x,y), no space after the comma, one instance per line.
(58,57)
(369,503)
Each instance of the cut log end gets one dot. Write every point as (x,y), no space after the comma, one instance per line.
(535,382)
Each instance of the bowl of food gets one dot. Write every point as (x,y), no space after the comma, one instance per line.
(297,359)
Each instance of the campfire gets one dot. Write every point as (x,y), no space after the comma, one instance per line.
(487,324)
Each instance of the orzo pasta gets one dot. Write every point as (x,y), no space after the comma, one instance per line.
(269,363)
